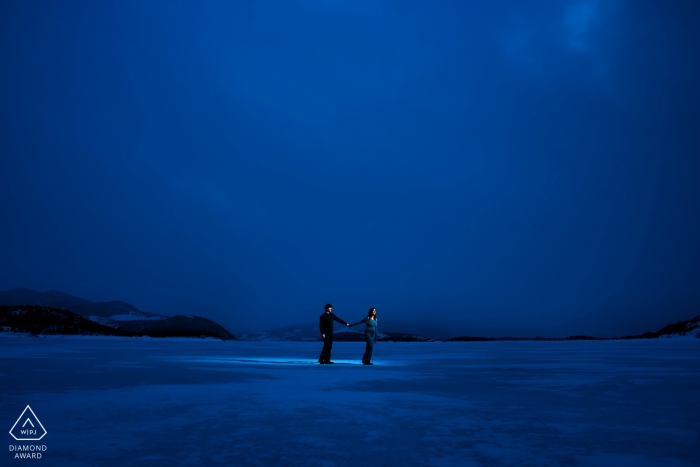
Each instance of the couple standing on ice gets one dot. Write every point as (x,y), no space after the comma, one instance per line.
(326,327)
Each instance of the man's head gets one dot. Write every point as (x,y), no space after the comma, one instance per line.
(328,307)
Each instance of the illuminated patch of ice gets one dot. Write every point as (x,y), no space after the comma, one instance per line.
(263,361)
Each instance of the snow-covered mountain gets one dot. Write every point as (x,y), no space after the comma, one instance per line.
(115,314)
(107,313)
(688,328)
(44,320)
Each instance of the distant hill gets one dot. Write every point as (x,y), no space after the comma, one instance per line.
(680,329)
(177,324)
(36,320)
(294,333)
(308,332)
(114,311)
(384,336)
(43,320)
(116,314)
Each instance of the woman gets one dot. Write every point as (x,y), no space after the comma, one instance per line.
(370,334)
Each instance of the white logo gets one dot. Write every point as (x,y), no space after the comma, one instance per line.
(28,427)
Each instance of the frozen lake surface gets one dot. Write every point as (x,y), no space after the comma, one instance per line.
(190,402)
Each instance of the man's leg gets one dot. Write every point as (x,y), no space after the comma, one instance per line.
(324,352)
(329,345)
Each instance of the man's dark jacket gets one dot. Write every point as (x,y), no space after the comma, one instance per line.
(325,324)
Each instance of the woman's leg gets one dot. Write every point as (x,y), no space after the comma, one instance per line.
(369,347)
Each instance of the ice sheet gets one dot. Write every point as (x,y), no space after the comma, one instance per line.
(119,401)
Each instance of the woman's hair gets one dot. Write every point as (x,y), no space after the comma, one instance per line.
(369,313)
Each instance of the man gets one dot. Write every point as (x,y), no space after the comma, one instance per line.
(325,325)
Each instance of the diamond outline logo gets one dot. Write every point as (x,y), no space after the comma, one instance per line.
(30,422)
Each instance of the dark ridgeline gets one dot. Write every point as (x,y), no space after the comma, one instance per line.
(494,339)
(386,336)
(85,308)
(37,320)
(55,312)
(178,326)
(111,315)
(679,328)
(43,320)
(308,332)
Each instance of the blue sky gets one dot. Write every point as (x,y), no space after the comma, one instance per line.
(466,168)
